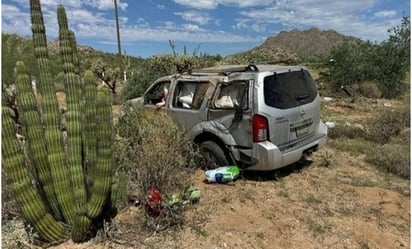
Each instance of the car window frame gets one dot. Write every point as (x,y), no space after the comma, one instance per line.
(166,84)
(199,94)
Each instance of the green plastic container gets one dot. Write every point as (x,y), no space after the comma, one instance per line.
(223,174)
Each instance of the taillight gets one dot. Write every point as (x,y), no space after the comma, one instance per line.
(260,128)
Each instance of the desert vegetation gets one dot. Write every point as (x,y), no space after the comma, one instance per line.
(367,155)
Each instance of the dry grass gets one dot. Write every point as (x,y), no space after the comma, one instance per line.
(383,135)
(156,155)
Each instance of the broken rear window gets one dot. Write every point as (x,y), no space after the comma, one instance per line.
(290,89)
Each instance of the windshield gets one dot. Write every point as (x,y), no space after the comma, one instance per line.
(290,89)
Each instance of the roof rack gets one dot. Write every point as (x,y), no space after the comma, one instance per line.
(227,69)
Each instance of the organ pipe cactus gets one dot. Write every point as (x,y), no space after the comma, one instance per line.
(71,166)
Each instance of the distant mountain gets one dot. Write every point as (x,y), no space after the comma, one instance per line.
(305,44)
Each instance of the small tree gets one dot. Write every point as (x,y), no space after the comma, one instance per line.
(350,63)
(392,60)
(385,63)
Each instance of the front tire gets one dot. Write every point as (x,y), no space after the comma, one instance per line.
(213,155)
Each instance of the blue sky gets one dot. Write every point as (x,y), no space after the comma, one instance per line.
(215,26)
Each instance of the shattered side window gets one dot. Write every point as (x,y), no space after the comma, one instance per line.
(232,95)
(157,93)
(189,95)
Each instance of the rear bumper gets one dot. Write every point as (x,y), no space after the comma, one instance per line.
(271,157)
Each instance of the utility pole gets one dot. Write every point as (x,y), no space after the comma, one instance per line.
(119,47)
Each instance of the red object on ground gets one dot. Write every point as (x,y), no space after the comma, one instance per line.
(154,203)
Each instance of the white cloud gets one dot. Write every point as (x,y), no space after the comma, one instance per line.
(347,6)
(13,20)
(385,14)
(191,27)
(258,28)
(200,4)
(142,23)
(105,4)
(213,4)
(83,16)
(51,4)
(350,17)
(195,16)
(247,24)
(246,3)
(9,10)
(163,35)
(94,19)
(168,26)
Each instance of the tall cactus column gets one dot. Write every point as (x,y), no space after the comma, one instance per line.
(33,128)
(74,127)
(51,117)
(27,195)
(104,168)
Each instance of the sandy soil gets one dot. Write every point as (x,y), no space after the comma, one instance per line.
(348,205)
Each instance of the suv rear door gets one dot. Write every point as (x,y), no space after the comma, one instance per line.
(291,104)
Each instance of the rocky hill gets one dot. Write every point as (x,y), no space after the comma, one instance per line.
(54,47)
(290,47)
(304,44)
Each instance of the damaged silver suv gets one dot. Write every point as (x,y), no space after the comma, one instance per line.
(260,117)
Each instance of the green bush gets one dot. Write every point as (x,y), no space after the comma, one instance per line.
(346,130)
(370,89)
(386,63)
(387,124)
(138,83)
(385,140)
(156,154)
(394,158)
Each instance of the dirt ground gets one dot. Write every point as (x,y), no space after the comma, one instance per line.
(348,205)
(343,204)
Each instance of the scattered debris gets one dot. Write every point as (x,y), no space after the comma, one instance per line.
(330,124)
(223,174)
(157,206)
(154,205)
(327,99)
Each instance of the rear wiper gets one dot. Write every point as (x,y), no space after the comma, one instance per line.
(301,97)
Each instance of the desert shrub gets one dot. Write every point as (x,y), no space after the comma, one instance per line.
(404,137)
(394,158)
(346,130)
(156,155)
(387,124)
(16,234)
(355,147)
(370,89)
(140,80)
(385,140)
(137,84)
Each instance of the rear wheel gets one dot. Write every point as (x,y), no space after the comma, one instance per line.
(213,155)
